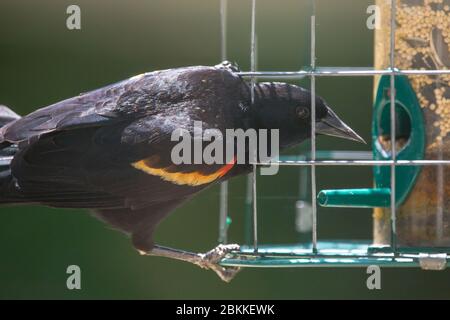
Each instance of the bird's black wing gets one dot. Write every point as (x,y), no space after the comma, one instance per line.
(53,141)
(92,109)
(90,168)
(197,92)
(82,152)
(96,167)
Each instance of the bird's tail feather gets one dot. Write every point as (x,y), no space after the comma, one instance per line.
(7,152)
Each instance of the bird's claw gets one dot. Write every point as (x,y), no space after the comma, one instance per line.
(211,259)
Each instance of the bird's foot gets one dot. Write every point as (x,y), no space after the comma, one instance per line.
(211,259)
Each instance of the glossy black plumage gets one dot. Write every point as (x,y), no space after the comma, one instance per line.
(78,153)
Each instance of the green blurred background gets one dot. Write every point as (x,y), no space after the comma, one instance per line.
(42,62)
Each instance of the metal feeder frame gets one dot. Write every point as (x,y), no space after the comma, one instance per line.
(387,167)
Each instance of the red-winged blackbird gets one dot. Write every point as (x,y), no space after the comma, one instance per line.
(109,149)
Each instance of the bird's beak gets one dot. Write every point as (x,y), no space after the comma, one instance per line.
(331,125)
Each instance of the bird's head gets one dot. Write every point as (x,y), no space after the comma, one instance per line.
(288,108)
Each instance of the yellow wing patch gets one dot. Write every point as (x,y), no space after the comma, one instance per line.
(183,178)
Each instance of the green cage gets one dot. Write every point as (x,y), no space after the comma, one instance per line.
(396,113)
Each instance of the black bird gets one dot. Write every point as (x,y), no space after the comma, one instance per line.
(109,150)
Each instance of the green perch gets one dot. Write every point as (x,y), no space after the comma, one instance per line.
(355,198)
(410,127)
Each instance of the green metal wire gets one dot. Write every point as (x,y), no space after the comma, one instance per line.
(329,254)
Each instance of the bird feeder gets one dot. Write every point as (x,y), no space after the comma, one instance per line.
(412,95)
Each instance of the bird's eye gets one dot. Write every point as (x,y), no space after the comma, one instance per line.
(302,112)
